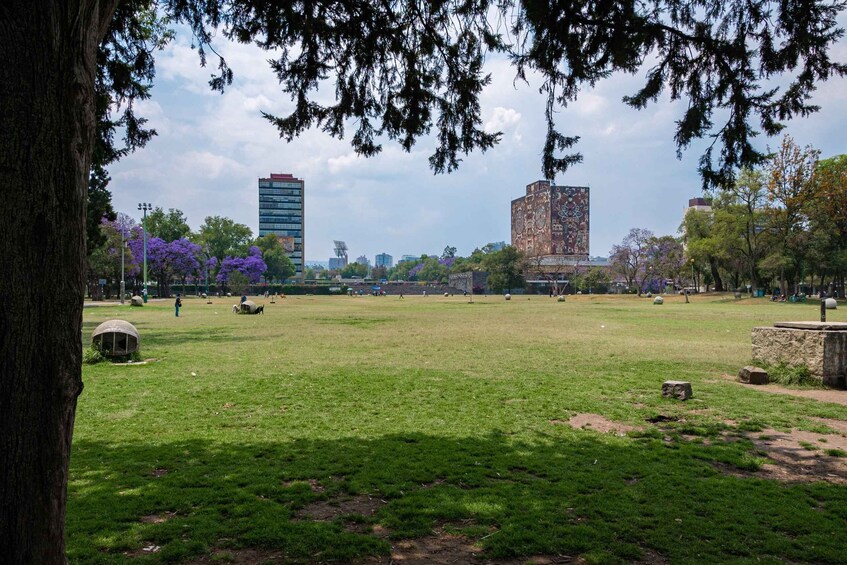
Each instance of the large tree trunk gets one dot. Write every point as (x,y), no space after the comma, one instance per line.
(47,67)
(716,275)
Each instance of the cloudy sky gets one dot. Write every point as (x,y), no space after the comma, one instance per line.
(212,148)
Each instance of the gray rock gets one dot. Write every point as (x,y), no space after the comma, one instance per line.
(831,304)
(561,298)
(681,390)
(658,300)
(508,297)
(753,375)
(136,301)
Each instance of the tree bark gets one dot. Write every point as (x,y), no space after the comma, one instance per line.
(716,275)
(48,55)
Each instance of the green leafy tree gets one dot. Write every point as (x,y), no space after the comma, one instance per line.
(222,237)
(169,226)
(505,269)
(354,270)
(280,266)
(791,189)
(401,70)
(433,271)
(595,280)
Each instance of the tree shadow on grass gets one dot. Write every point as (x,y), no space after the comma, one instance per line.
(598,496)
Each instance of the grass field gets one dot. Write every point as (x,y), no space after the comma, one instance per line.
(338,428)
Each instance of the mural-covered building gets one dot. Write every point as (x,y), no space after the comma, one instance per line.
(552,222)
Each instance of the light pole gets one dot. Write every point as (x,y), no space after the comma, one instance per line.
(145,206)
(123,252)
(694,277)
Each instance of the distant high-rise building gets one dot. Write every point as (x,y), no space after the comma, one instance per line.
(384,260)
(282,212)
(552,221)
(363,260)
(336,263)
(409,258)
(699,205)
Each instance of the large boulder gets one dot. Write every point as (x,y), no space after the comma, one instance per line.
(831,304)
(249,307)
(508,297)
(658,300)
(116,338)
(136,301)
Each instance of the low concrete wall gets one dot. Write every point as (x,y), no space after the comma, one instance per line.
(823,352)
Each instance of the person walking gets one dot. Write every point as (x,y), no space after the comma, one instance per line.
(177,304)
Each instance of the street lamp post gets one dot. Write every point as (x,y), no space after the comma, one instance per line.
(123,253)
(145,206)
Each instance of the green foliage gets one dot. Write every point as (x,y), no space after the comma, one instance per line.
(280,266)
(92,355)
(505,269)
(350,270)
(169,226)
(223,237)
(793,375)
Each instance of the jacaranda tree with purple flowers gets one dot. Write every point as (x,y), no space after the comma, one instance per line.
(251,267)
(165,261)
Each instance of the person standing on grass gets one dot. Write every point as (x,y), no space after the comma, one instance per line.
(177,304)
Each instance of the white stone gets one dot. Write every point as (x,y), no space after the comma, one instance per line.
(561,298)
(831,304)
(658,300)
(508,297)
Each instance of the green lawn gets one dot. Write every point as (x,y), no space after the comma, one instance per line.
(449,415)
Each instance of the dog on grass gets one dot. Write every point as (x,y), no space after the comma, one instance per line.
(260,309)
(235,309)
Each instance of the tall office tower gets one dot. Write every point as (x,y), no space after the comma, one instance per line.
(282,212)
(551,221)
(384,260)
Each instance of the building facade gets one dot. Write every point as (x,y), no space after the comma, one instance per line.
(384,260)
(282,212)
(552,222)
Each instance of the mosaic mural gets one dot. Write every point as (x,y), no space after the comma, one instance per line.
(551,220)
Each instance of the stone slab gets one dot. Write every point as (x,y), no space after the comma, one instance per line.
(681,390)
(753,375)
(818,326)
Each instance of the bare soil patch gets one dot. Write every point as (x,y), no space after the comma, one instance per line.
(821,394)
(241,557)
(446,548)
(157,518)
(328,510)
(597,423)
(800,456)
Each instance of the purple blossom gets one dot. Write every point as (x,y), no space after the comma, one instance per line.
(251,266)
